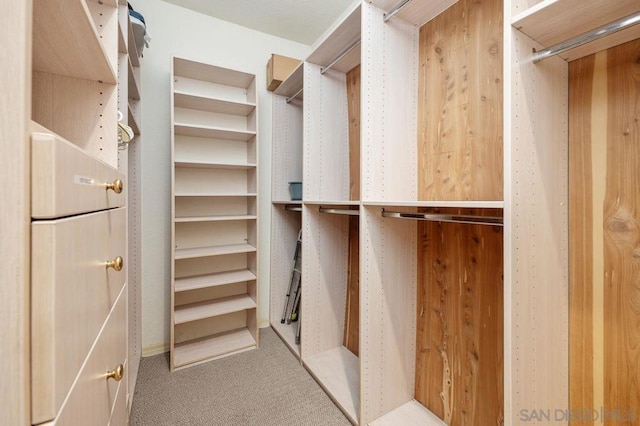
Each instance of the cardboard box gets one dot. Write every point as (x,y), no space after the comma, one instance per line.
(278,69)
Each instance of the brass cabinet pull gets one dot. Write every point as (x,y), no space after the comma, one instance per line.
(116,374)
(116,263)
(116,186)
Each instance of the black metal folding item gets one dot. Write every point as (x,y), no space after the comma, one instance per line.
(295,282)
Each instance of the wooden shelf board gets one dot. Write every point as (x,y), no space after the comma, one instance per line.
(331,203)
(133,50)
(214,218)
(134,91)
(410,414)
(203,165)
(198,71)
(287,333)
(192,253)
(213,346)
(133,123)
(184,99)
(122,46)
(217,194)
(293,83)
(186,129)
(296,203)
(554,21)
(416,13)
(213,280)
(439,204)
(212,308)
(337,40)
(66,42)
(338,372)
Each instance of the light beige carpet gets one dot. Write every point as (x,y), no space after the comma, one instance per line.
(265,387)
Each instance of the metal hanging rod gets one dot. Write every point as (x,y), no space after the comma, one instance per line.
(585,38)
(441,217)
(293,207)
(347,212)
(339,58)
(290,98)
(395,10)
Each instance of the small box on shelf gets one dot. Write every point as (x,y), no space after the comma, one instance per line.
(278,69)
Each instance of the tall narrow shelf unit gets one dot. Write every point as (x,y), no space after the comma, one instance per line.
(214,238)
(129,158)
(286,214)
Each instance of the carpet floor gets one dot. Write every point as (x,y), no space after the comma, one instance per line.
(263,387)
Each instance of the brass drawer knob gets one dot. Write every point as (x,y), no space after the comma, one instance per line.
(116,186)
(116,374)
(116,263)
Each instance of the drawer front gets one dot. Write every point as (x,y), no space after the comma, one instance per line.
(67,181)
(94,396)
(73,291)
(119,415)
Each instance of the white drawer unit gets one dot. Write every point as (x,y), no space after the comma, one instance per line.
(67,181)
(77,274)
(94,395)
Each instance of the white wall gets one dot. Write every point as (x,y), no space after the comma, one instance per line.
(181,32)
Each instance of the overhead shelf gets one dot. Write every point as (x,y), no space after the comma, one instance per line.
(338,41)
(213,308)
(133,50)
(191,219)
(133,122)
(213,280)
(192,253)
(415,12)
(66,42)
(122,46)
(186,129)
(439,204)
(293,83)
(217,194)
(208,165)
(211,73)
(212,346)
(134,91)
(555,21)
(203,103)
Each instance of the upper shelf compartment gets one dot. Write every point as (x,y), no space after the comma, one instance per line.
(66,40)
(416,12)
(293,83)
(339,44)
(210,81)
(556,21)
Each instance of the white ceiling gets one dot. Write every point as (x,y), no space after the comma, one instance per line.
(298,20)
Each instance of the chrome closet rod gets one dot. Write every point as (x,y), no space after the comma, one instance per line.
(340,211)
(395,10)
(290,98)
(441,217)
(585,38)
(339,58)
(293,208)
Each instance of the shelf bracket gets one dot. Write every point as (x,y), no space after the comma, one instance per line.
(585,38)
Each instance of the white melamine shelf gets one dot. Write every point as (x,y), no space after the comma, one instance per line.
(337,41)
(214,218)
(332,203)
(415,12)
(187,129)
(338,372)
(212,346)
(122,46)
(211,73)
(205,165)
(213,308)
(134,92)
(292,84)
(133,50)
(554,21)
(183,99)
(66,42)
(192,253)
(439,204)
(410,414)
(133,123)
(293,203)
(217,194)
(213,280)
(287,333)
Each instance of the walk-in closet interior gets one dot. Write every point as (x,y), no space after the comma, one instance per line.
(431,207)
